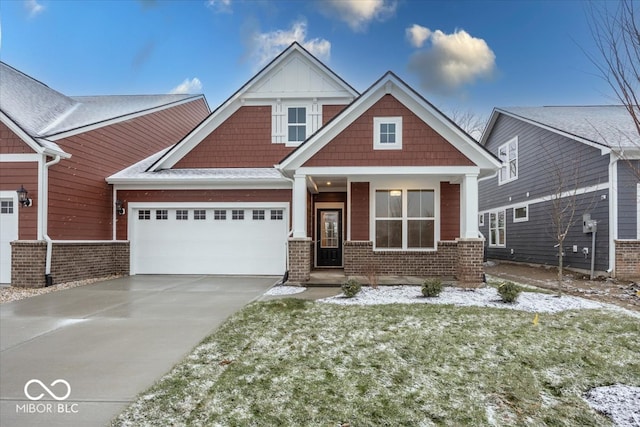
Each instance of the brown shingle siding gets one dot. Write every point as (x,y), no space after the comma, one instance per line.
(10,143)
(421,145)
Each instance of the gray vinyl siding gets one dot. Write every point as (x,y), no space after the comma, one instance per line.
(628,199)
(540,153)
(533,242)
(538,149)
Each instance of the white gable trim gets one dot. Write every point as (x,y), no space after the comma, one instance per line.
(31,142)
(231,105)
(390,84)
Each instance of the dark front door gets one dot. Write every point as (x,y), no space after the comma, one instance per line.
(329,233)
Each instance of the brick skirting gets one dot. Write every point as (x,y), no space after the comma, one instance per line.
(70,261)
(461,259)
(627,259)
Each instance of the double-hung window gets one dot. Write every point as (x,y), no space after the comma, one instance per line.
(405,219)
(508,153)
(296,124)
(497,228)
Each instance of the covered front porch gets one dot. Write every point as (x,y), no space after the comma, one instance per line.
(371,222)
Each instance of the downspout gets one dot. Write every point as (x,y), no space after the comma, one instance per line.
(613,211)
(45,215)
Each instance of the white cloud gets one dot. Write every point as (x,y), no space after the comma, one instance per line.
(33,7)
(452,61)
(359,13)
(188,86)
(266,46)
(417,35)
(220,6)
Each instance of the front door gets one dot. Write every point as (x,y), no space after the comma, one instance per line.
(329,238)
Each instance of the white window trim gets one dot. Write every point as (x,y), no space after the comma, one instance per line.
(481,220)
(307,123)
(526,218)
(517,159)
(404,218)
(377,145)
(497,212)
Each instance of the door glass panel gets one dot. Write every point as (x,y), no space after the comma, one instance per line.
(329,229)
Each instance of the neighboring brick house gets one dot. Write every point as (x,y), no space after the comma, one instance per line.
(595,150)
(60,149)
(297,171)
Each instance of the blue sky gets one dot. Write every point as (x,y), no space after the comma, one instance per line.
(465,55)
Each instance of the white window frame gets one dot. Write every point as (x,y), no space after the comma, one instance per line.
(405,218)
(481,220)
(526,217)
(182,214)
(277,214)
(504,174)
(290,143)
(497,213)
(199,214)
(377,145)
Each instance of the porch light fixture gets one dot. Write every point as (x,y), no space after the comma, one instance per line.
(22,197)
(120,207)
(395,193)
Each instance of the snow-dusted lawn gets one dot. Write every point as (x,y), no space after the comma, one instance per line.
(294,362)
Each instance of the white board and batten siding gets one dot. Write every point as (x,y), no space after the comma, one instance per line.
(209,239)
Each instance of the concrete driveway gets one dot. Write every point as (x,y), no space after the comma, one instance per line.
(108,341)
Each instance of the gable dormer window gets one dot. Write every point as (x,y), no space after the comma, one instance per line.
(296,124)
(387,133)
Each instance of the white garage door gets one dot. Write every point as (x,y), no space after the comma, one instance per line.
(8,233)
(209,240)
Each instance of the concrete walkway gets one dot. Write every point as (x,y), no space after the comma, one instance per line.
(108,341)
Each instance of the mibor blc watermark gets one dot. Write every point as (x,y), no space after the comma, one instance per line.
(35,390)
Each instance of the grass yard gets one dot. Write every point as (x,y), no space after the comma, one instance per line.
(297,363)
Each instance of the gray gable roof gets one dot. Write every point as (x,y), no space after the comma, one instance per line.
(607,125)
(43,112)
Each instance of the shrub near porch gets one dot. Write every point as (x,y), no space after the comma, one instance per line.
(291,362)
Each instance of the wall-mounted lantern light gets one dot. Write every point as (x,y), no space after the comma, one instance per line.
(23,198)
(120,207)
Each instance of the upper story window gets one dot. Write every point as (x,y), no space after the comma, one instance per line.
(296,124)
(508,153)
(387,133)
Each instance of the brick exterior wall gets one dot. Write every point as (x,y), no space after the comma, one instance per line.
(28,258)
(461,259)
(627,259)
(359,256)
(300,260)
(469,269)
(69,261)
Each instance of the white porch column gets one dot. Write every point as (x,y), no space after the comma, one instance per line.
(300,206)
(469,207)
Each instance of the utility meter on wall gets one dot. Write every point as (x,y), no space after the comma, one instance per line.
(589,225)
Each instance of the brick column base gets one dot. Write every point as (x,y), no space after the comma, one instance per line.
(299,260)
(28,262)
(469,270)
(627,259)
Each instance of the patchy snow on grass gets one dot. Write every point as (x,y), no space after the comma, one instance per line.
(619,402)
(285,290)
(534,302)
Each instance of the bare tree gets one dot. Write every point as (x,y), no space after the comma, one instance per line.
(567,205)
(616,32)
(469,121)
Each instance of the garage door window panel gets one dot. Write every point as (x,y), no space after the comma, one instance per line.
(258,214)
(199,214)
(182,215)
(219,215)
(144,214)
(237,215)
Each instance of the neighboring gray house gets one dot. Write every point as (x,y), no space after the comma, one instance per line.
(595,152)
